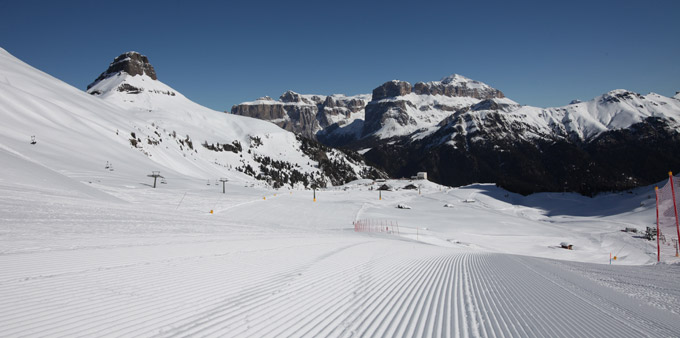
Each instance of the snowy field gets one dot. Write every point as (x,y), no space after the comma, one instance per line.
(102,254)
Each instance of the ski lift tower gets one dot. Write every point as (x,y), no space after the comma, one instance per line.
(223,180)
(155,175)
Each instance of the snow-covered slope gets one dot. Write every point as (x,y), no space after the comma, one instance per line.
(468,262)
(416,112)
(140,124)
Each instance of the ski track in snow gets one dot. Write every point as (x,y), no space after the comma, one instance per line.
(336,291)
(69,268)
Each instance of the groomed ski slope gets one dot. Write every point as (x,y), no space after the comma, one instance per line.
(135,261)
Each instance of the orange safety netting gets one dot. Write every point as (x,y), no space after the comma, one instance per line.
(668,229)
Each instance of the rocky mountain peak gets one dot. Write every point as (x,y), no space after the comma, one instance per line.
(619,95)
(457,86)
(131,63)
(292,97)
(455,79)
(391,89)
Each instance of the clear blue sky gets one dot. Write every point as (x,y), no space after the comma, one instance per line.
(541,53)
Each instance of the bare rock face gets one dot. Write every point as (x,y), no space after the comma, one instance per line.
(262,111)
(293,112)
(457,85)
(391,89)
(132,63)
(293,97)
(302,114)
(378,112)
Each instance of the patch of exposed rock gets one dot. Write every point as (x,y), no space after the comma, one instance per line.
(391,89)
(303,114)
(132,63)
(457,85)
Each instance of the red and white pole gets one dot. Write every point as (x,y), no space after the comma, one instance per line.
(675,208)
(658,249)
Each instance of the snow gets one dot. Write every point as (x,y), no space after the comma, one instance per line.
(66,120)
(617,109)
(585,120)
(421,112)
(86,251)
(459,80)
(156,262)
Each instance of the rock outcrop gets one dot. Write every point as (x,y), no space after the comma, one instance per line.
(379,112)
(307,115)
(132,63)
(395,108)
(391,89)
(457,85)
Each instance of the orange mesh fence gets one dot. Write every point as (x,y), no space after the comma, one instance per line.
(668,230)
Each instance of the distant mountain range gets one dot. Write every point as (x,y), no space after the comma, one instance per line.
(459,130)
(463,131)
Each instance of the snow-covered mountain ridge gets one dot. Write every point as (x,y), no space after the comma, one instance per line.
(397,109)
(464,131)
(138,124)
(580,122)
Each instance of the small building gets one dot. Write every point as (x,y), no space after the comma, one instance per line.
(385,187)
(410,187)
(422,175)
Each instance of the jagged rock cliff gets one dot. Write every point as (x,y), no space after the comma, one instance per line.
(457,85)
(307,115)
(131,63)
